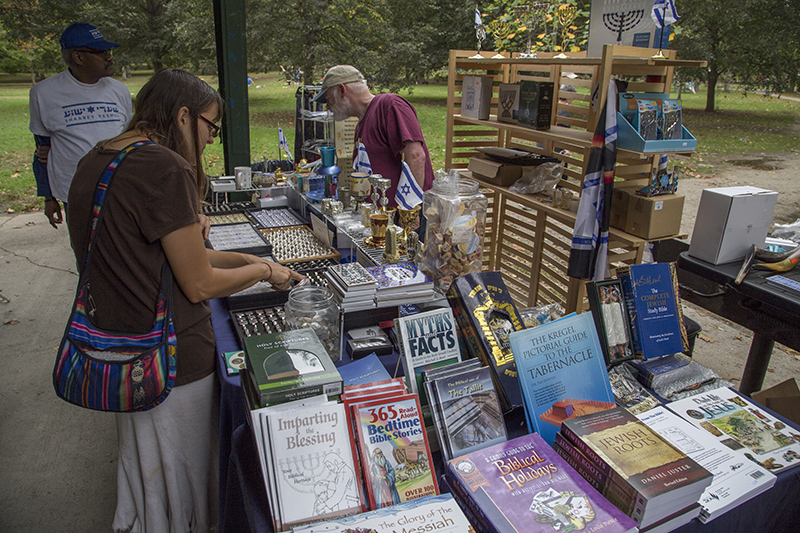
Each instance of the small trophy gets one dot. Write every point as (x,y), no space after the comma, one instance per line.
(406,218)
(375,182)
(384,184)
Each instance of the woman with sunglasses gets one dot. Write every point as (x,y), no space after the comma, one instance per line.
(166,480)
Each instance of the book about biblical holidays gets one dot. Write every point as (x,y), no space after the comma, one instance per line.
(486,316)
(562,372)
(524,486)
(313,464)
(290,365)
(736,479)
(664,478)
(393,449)
(440,514)
(468,412)
(427,340)
(653,302)
(743,426)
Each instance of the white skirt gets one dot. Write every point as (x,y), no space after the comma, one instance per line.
(167,465)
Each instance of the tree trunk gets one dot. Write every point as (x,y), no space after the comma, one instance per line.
(713,76)
(157,64)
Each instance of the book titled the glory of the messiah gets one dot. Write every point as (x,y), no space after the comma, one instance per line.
(523,485)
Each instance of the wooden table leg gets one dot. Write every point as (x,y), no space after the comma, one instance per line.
(757,362)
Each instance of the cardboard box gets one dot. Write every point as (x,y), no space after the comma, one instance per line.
(729,221)
(508,103)
(503,174)
(783,398)
(650,217)
(476,97)
(536,104)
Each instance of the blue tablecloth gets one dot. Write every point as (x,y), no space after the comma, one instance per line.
(243,504)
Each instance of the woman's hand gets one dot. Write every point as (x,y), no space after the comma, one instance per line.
(281,277)
(205,224)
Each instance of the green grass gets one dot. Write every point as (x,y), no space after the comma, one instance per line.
(743,123)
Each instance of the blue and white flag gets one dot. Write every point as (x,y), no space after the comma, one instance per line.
(361,162)
(664,13)
(283,143)
(478,21)
(408,194)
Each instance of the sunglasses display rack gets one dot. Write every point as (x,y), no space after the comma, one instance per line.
(243,237)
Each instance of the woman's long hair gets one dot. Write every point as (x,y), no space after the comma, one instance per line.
(156,111)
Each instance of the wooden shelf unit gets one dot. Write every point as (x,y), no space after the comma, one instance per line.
(526,238)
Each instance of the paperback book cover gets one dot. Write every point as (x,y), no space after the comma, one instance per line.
(314,469)
(523,485)
(438,513)
(394,451)
(365,370)
(736,479)
(665,479)
(535,103)
(743,426)
(486,316)
(469,412)
(427,340)
(290,365)
(562,372)
(654,309)
(399,277)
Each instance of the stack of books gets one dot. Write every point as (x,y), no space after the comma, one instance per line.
(736,479)
(431,513)
(390,443)
(306,461)
(401,283)
(523,485)
(653,372)
(744,426)
(353,287)
(639,471)
(286,366)
(465,408)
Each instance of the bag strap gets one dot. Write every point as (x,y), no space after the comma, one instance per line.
(101,196)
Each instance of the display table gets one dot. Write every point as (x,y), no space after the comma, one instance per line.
(243,504)
(770,310)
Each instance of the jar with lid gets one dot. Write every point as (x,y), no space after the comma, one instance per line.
(455,210)
(316,308)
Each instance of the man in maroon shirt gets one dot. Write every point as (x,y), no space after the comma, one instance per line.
(387,126)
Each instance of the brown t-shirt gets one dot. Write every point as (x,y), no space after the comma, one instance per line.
(152,194)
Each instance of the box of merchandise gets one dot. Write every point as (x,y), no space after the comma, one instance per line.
(729,221)
(648,217)
(536,104)
(499,173)
(508,103)
(476,97)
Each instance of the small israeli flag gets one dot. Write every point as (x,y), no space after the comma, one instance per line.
(664,13)
(283,143)
(478,21)
(361,162)
(408,194)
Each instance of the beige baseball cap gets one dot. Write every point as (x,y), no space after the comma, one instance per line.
(336,75)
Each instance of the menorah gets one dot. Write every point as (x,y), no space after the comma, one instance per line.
(566,14)
(622,21)
(530,15)
(499,30)
(302,472)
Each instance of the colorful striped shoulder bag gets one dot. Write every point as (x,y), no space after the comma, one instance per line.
(111,370)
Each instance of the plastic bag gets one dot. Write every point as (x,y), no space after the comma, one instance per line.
(541,314)
(539,179)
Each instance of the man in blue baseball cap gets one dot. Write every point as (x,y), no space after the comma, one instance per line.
(74,110)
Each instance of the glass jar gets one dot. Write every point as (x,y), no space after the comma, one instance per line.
(456,222)
(316,308)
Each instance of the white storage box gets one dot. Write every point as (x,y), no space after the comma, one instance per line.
(729,221)
(476,97)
